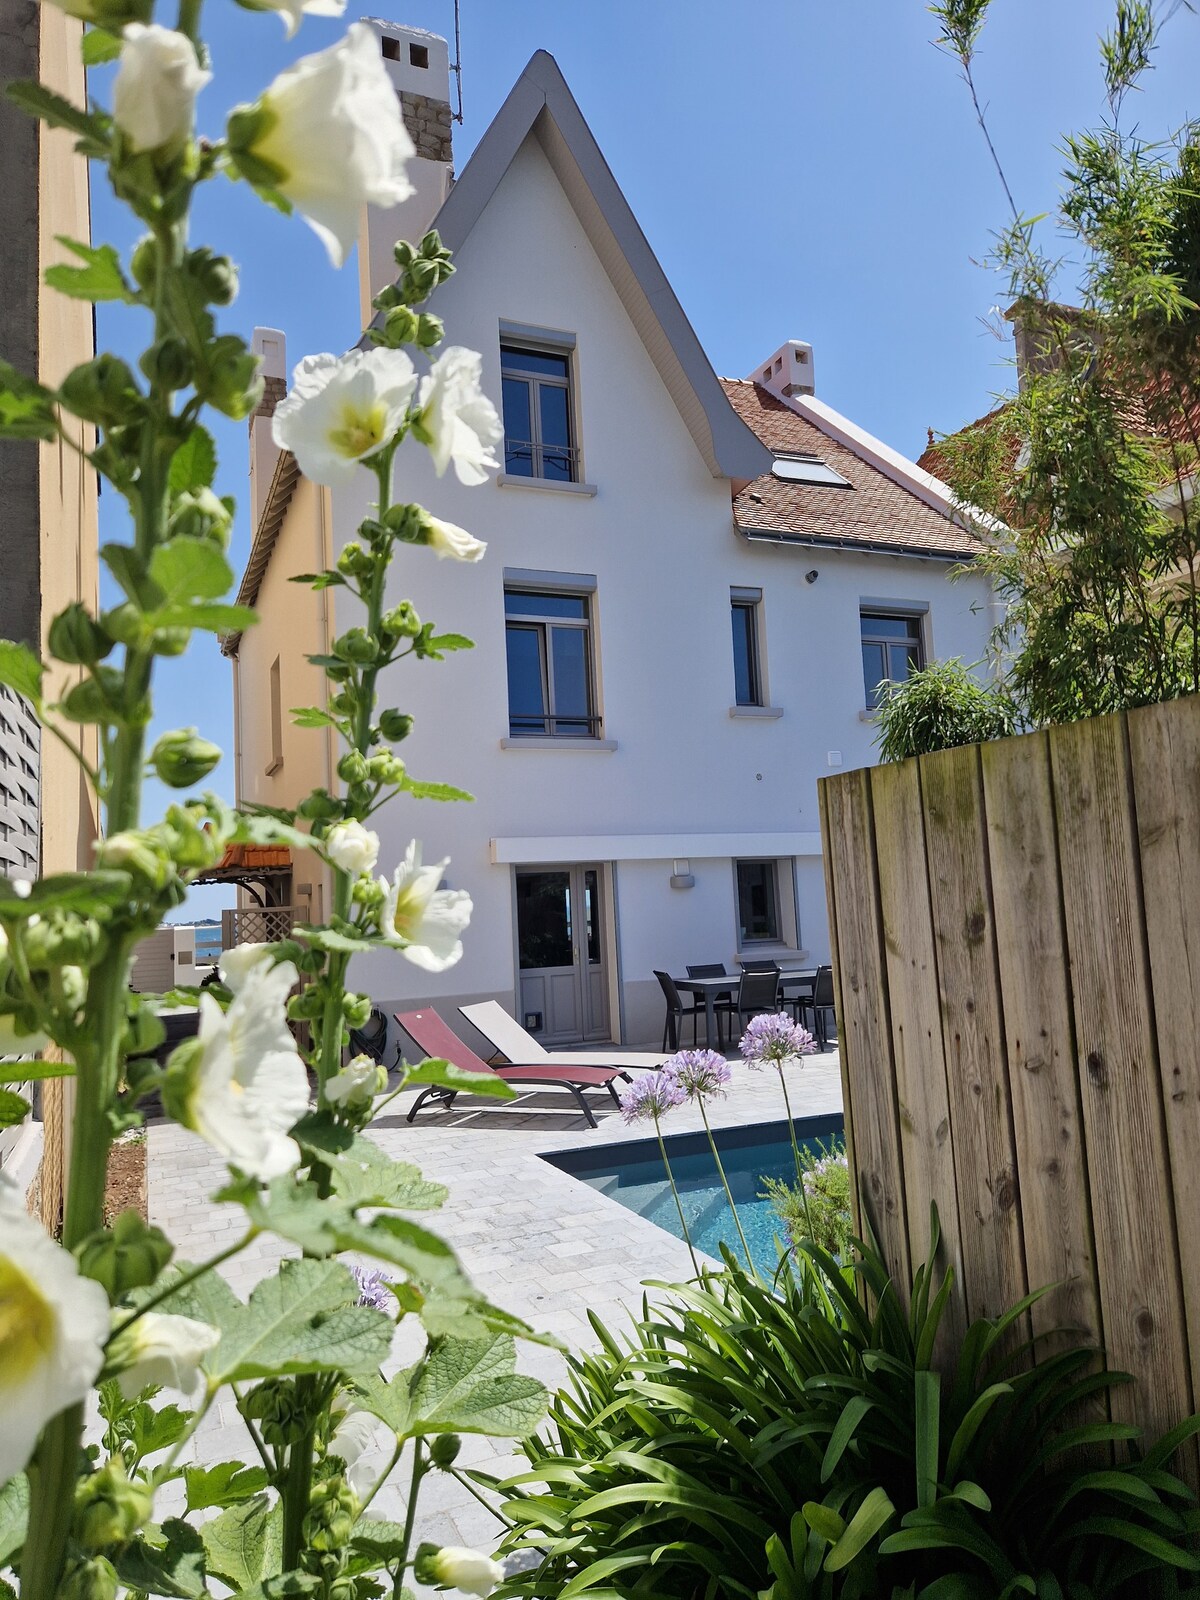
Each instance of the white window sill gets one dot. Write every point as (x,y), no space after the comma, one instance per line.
(505,480)
(785,957)
(769,712)
(866,715)
(537,743)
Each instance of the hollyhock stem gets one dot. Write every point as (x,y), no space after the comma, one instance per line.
(678,1203)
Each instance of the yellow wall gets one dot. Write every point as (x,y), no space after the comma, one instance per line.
(294,624)
(67,485)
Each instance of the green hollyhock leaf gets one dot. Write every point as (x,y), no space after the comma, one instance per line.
(363,1174)
(301,1320)
(86,892)
(21,670)
(175,1567)
(389,1400)
(244,1544)
(14,1514)
(226,1484)
(194,464)
(208,615)
(100,278)
(190,569)
(281,1586)
(99,47)
(472,1386)
(433,791)
(14,1108)
(26,408)
(56,111)
(33,1071)
(444,1075)
(313,717)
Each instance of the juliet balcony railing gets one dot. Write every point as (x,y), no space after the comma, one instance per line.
(553,463)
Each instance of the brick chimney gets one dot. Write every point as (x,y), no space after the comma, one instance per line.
(418,64)
(271,345)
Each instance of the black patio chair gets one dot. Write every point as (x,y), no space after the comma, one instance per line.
(757,992)
(723,998)
(821,1004)
(677,1009)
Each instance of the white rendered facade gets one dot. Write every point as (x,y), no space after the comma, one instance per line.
(676,783)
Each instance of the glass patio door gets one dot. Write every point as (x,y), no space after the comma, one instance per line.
(560,949)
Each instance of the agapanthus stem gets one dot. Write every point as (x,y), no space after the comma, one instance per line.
(737,1221)
(796,1152)
(678,1203)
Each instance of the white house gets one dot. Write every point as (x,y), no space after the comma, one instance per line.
(684,579)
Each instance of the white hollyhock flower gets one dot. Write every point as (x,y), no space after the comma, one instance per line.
(162,1350)
(357,1083)
(292,11)
(243,1084)
(157,82)
(365,1444)
(235,965)
(13,1043)
(424,921)
(469,1571)
(340,410)
(53,1324)
(334,133)
(352,848)
(447,539)
(457,420)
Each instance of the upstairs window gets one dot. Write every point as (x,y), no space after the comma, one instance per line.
(551,691)
(747,655)
(892,650)
(539,440)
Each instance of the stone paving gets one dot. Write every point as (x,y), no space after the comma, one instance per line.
(536,1240)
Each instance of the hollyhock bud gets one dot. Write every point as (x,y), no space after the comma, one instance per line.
(158,79)
(182,758)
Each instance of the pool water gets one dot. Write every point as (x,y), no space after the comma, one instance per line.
(633,1175)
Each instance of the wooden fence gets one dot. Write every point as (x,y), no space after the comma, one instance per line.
(1016,942)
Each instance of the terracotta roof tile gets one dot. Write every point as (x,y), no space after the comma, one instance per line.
(876,513)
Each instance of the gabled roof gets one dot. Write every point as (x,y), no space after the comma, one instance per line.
(542,105)
(890,507)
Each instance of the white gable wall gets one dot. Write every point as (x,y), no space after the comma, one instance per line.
(658,537)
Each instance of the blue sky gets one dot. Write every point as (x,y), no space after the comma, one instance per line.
(804,169)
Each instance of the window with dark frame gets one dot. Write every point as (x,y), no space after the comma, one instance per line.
(747,663)
(758,902)
(550,684)
(892,650)
(539,438)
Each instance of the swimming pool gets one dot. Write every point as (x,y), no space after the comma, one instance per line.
(632,1174)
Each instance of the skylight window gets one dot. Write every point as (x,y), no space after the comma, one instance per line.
(808,469)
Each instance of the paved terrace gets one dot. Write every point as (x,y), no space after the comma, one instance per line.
(536,1240)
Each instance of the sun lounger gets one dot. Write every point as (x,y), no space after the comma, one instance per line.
(508,1037)
(426,1029)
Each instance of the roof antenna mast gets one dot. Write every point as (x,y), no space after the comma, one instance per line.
(456,64)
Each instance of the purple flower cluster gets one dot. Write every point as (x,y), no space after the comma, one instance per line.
(816,1177)
(372,1290)
(700,1072)
(774,1040)
(651,1095)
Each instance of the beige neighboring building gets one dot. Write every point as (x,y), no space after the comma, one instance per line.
(48,513)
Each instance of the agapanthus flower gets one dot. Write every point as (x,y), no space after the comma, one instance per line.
(774,1040)
(650,1096)
(699,1072)
(372,1288)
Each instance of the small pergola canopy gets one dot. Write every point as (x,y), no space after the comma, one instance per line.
(263,870)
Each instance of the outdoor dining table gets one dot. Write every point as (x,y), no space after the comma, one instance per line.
(708,989)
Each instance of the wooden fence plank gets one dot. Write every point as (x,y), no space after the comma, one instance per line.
(1131,1202)
(972,1031)
(1032,956)
(1165,750)
(916,1023)
(863,1029)
(831,893)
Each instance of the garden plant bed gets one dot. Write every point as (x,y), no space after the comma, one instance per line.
(125,1189)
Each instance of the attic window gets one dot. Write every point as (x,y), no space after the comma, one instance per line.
(418,55)
(391,48)
(808,469)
